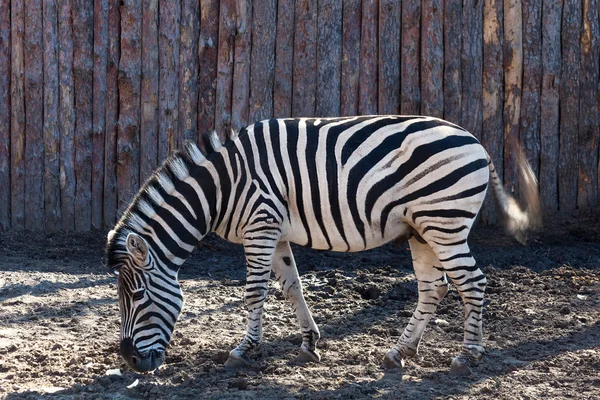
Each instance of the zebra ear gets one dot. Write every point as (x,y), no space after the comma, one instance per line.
(137,247)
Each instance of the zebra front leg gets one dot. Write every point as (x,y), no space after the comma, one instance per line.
(286,273)
(432,289)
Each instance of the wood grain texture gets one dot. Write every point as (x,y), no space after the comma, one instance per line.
(5,111)
(284,54)
(492,135)
(51,129)
(149,92)
(452,61)
(112,115)
(351,16)
(188,71)
(569,106)
(240,97)
(99,110)
(168,89)
(589,110)
(129,81)
(410,95)
(227,26)
(17,120)
(513,86)
(432,58)
(367,84)
(472,66)
(389,57)
(207,65)
(34,109)
(305,59)
(262,65)
(329,58)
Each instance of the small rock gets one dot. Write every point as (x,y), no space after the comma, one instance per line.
(565,310)
(441,322)
(239,383)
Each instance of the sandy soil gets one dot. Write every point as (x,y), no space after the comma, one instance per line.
(59,323)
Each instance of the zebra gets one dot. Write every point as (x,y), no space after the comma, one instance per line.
(343,184)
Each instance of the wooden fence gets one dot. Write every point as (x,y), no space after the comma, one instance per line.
(94,94)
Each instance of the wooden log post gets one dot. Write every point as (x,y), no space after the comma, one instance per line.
(389,57)
(284,54)
(367,84)
(350,57)
(452,61)
(305,59)
(241,63)
(513,80)
(589,110)
(410,100)
(149,92)
(5,111)
(569,105)
(209,36)
(51,129)
(432,58)
(188,71)
(227,26)
(472,66)
(329,58)
(17,127)
(262,62)
(549,105)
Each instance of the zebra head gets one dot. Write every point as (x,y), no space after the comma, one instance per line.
(149,298)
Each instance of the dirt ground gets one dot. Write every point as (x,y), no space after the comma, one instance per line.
(59,323)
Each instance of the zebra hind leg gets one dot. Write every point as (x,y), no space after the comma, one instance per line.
(432,289)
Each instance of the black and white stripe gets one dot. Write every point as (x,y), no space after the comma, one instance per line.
(341,184)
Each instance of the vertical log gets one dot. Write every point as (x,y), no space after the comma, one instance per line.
(66,116)
(532,81)
(513,79)
(168,89)
(589,110)
(34,108)
(112,114)
(492,135)
(350,57)
(128,139)
(207,81)
(549,106)
(367,85)
(305,59)
(472,66)
(452,61)
(329,58)
(262,64)
(225,67)
(569,106)
(389,57)
(99,107)
(410,100)
(432,58)
(188,71)
(241,63)
(149,102)
(17,120)
(5,111)
(51,130)
(284,54)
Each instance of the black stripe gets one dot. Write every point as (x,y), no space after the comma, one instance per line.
(451,213)
(292,144)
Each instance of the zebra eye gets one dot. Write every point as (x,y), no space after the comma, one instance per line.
(139,295)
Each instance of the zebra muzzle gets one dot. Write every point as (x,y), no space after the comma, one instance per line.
(140,362)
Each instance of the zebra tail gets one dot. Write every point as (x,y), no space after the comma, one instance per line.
(519,221)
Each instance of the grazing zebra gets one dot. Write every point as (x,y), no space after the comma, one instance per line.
(341,184)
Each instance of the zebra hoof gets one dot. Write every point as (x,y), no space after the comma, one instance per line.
(460,367)
(392,360)
(237,361)
(307,356)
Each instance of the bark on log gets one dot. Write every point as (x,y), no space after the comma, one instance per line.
(410,100)
(492,135)
(262,65)
(329,58)
(128,151)
(208,46)
(5,111)
(188,72)
(99,109)
(389,57)
(168,90)
(225,67)
(513,84)
(472,66)
(284,54)
(452,61)
(34,108)
(51,130)
(351,15)
(149,92)
(589,110)
(367,85)
(569,106)
(432,58)
(305,59)
(241,64)
(549,106)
